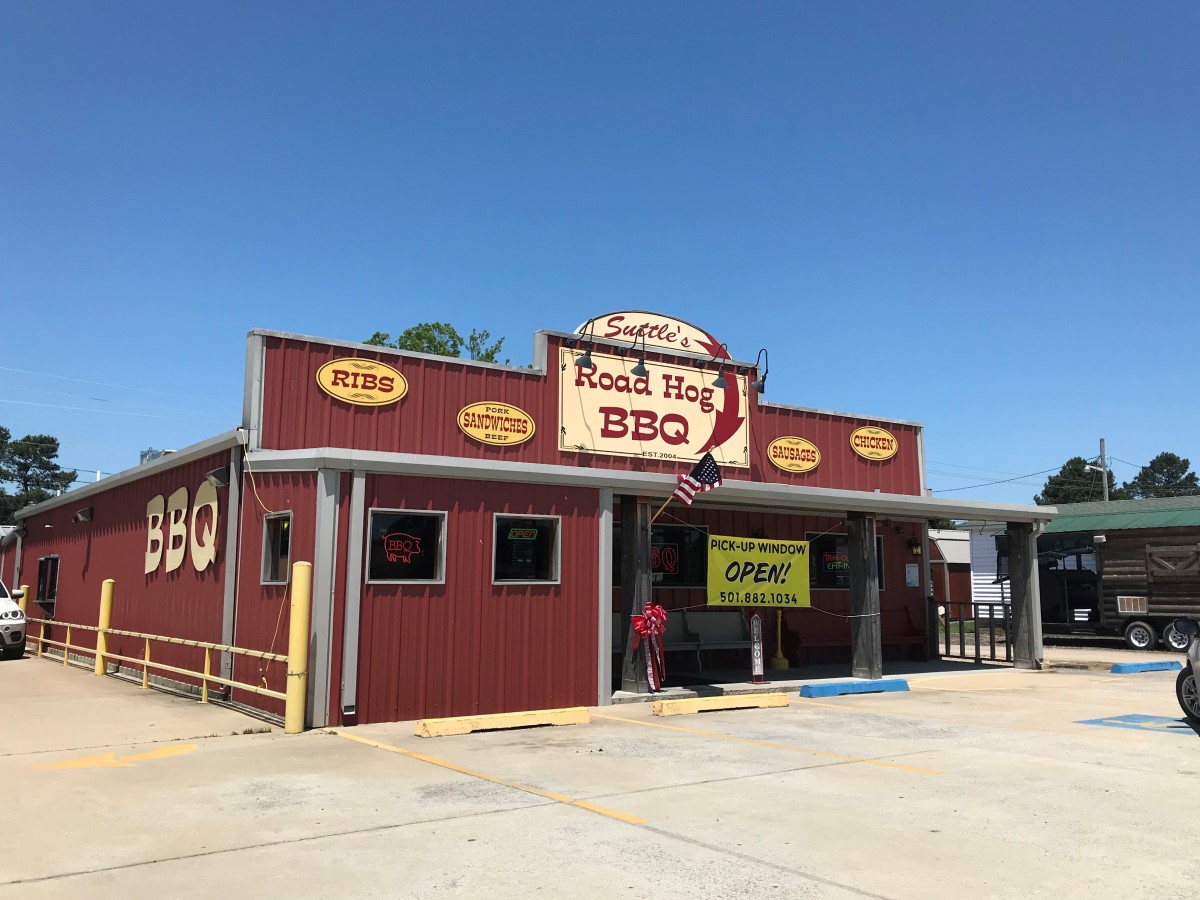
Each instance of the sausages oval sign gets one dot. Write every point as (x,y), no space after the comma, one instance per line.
(363,382)
(498,424)
(793,454)
(874,443)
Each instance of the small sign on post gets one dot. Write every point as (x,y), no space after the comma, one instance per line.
(756,650)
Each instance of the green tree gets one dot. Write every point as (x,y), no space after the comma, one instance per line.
(1076,483)
(441,339)
(1167,475)
(29,465)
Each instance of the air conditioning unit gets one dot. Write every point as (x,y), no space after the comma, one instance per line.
(1131,606)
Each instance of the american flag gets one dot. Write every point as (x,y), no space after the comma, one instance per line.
(705,477)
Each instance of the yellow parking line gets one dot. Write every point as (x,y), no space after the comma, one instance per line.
(732,737)
(495,779)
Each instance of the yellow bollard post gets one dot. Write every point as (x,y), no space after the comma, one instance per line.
(41,637)
(779,662)
(297,662)
(207,672)
(146,666)
(105,622)
(67,647)
(24,601)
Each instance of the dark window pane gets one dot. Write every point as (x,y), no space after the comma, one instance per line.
(405,547)
(47,586)
(829,561)
(277,542)
(526,549)
(678,556)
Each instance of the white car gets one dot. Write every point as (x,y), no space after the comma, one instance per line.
(12,624)
(1186,684)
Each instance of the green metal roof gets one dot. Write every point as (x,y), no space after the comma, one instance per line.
(1166,512)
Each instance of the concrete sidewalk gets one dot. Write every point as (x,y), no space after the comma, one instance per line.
(48,707)
(985,782)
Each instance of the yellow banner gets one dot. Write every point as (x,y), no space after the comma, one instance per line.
(757,572)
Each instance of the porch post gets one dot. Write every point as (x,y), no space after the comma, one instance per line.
(635,585)
(866,638)
(1026,596)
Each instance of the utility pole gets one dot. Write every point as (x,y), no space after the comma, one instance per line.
(1104,469)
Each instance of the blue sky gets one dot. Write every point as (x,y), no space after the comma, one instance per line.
(979,216)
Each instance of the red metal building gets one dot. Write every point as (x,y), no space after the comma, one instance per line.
(462,517)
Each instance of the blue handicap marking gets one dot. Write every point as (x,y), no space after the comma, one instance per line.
(1144,723)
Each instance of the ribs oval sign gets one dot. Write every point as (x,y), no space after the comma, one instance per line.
(363,382)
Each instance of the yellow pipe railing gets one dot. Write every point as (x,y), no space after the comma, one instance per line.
(295,696)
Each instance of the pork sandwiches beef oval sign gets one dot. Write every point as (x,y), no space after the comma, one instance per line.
(874,443)
(496,423)
(363,382)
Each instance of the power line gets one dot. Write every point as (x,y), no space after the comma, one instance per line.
(102,399)
(107,412)
(84,381)
(970,487)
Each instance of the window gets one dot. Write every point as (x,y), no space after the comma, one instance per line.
(406,546)
(277,548)
(829,561)
(526,549)
(47,583)
(678,556)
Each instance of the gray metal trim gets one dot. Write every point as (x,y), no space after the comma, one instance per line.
(604,601)
(736,494)
(392,351)
(17,563)
(921,460)
(324,571)
(252,389)
(170,461)
(233,518)
(867,420)
(354,586)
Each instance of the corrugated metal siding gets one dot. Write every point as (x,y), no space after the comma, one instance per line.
(183,603)
(983,571)
(262,616)
(902,608)
(298,414)
(840,466)
(469,646)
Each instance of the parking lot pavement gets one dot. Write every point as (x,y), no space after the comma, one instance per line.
(982,784)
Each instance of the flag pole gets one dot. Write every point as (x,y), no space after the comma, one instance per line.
(661,508)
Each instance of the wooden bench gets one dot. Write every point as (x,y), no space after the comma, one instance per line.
(718,630)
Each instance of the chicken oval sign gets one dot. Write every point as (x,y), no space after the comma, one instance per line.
(874,443)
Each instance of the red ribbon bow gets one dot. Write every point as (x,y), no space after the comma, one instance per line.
(651,625)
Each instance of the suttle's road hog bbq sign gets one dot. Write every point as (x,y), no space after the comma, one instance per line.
(657,331)
(671,413)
